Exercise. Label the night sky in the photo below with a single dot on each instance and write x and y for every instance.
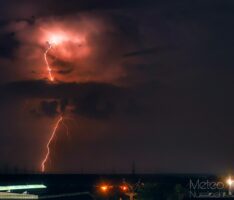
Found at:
(136, 80)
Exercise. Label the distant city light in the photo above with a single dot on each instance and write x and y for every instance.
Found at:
(124, 188)
(104, 188)
(22, 187)
(230, 181)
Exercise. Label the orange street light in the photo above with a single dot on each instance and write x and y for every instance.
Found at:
(104, 188)
(124, 188)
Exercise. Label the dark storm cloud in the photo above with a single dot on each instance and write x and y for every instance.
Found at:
(28, 8)
(63, 104)
(92, 100)
(49, 108)
(8, 44)
(62, 7)
(97, 104)
(44, 89)
(142, 52)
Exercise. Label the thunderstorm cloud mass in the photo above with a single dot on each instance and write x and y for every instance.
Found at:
(149, 82)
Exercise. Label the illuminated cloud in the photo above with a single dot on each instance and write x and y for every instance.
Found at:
(85, 47)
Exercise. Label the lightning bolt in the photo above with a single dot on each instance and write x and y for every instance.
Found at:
(59, 121)
(50, 75)
(49, 142)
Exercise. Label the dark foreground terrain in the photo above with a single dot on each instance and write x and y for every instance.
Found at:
(147, 186)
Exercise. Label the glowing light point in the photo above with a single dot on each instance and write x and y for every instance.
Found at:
(230, 181)
(104, 188)
(124, 188)
(56, 39)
